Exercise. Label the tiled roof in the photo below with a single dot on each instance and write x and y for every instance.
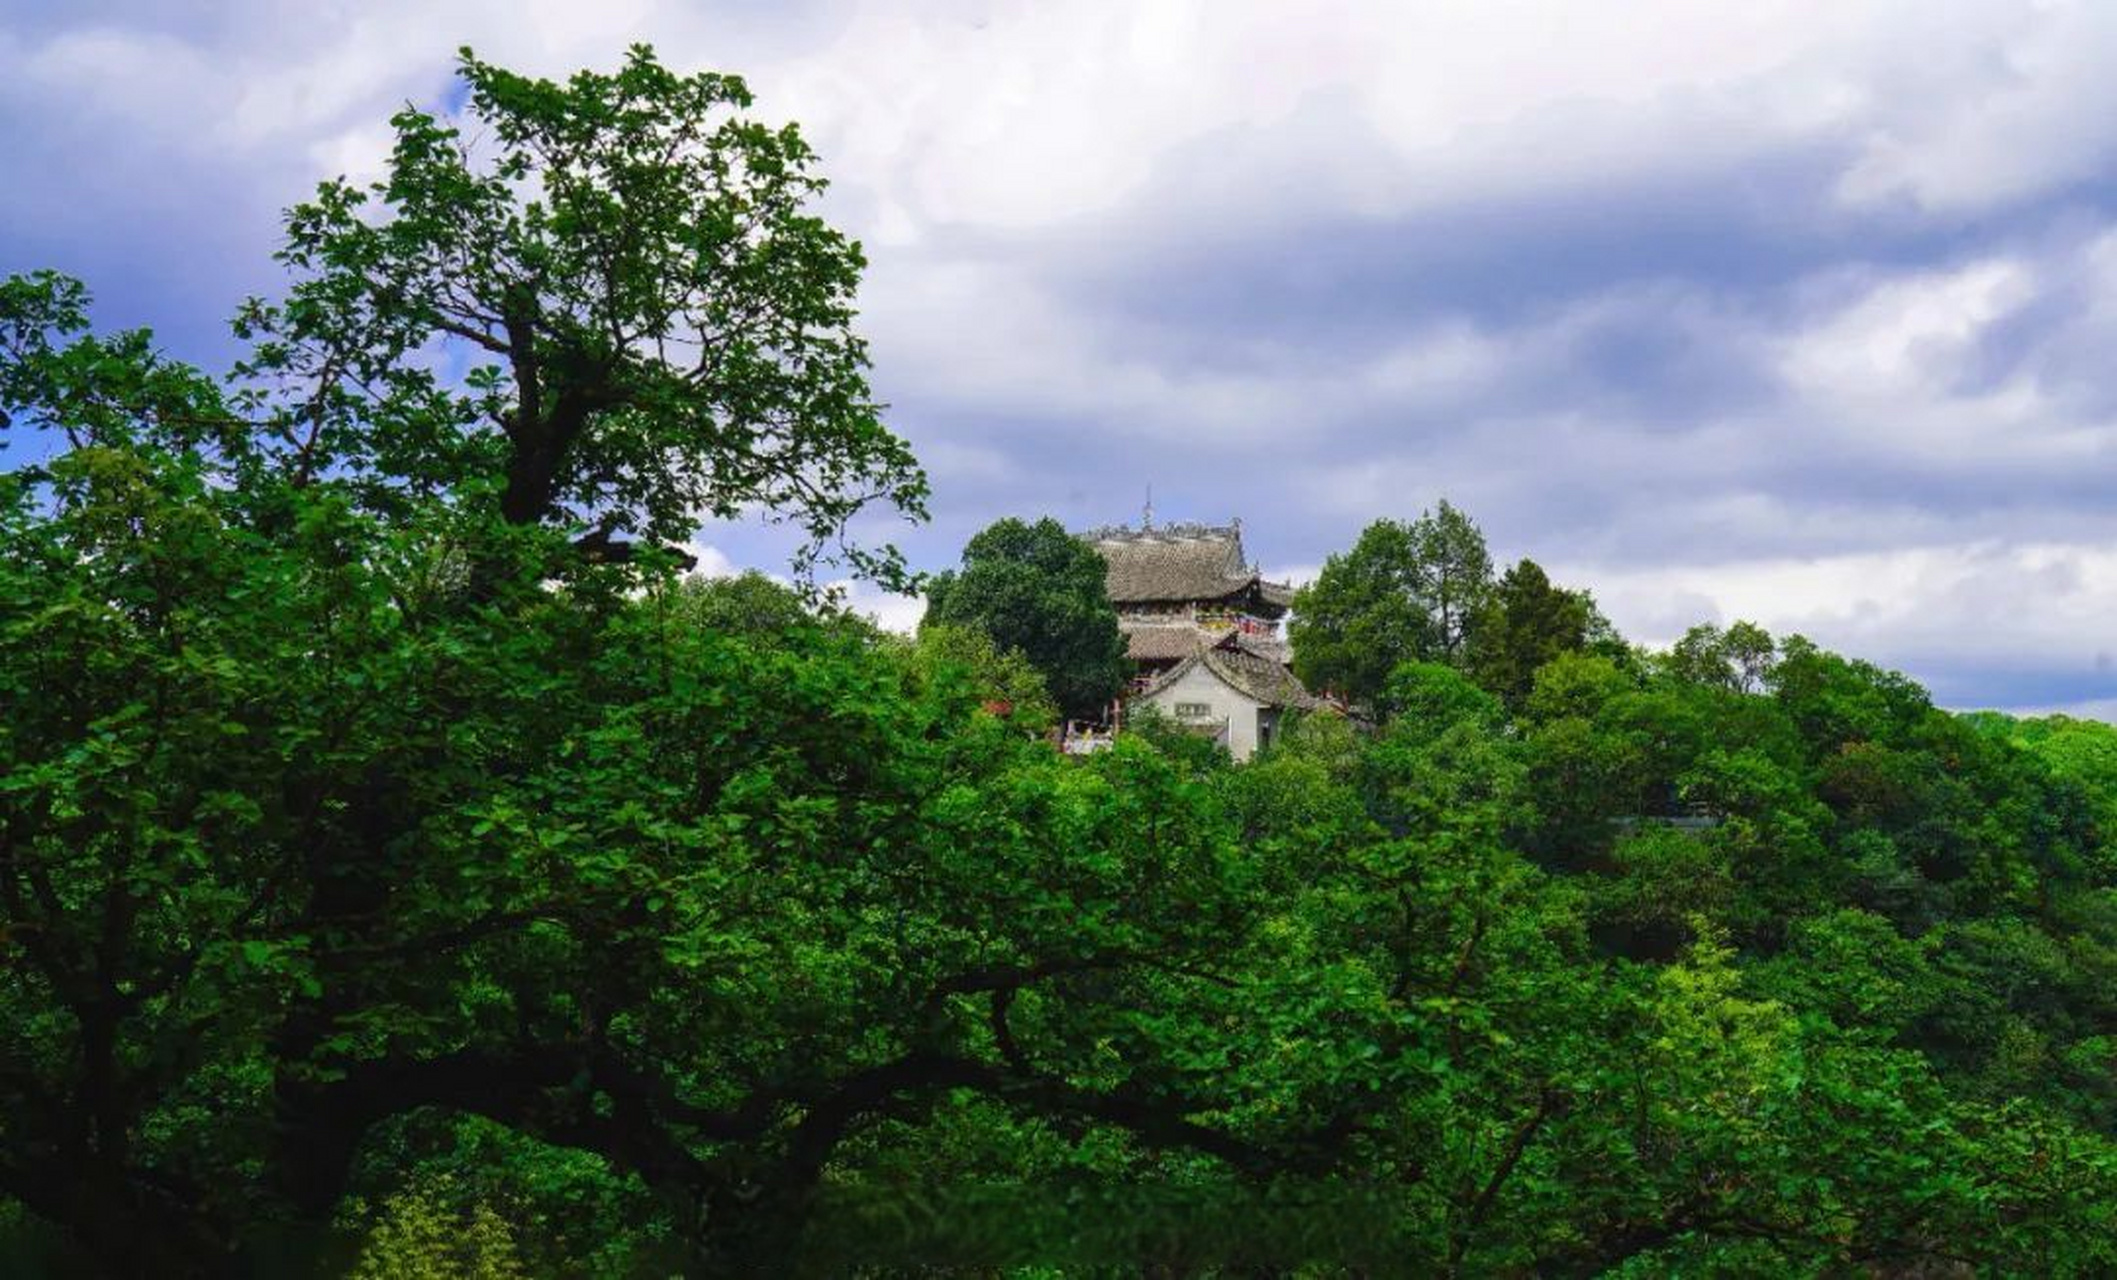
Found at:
(1179, 562)
(1259, 678)
(1171, 565)
(1166, 678)
(1163, 643)
(1267, 647)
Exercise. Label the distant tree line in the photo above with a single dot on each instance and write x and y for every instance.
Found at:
(1424, 591)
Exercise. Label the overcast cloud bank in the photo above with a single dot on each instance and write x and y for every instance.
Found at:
(1801, 313)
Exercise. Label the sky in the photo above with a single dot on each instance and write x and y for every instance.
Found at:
(1804, 313)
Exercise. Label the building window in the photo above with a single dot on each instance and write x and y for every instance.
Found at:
(1193, 710)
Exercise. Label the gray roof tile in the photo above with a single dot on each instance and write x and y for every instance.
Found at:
(1180, 562)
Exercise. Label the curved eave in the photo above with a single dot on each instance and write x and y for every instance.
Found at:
(1265, 599)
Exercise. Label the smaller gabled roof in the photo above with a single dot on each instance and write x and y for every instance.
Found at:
(1166, 678)
(1260, 679)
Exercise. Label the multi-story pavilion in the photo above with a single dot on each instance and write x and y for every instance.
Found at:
(1201, 626)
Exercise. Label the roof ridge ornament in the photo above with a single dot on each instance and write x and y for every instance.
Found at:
(1180, 531)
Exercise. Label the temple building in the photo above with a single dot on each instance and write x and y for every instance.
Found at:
(1202, 627)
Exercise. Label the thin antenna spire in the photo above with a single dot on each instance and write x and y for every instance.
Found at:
(1146, 517)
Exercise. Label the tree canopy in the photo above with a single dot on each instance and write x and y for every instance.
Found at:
(1040, 591)
(1424, 592)
(1525, 623)
(662, 325)
(1358, 621)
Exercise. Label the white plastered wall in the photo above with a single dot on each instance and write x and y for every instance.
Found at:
(1199, 684)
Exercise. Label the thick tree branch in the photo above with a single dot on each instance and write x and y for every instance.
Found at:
(1547, 1106)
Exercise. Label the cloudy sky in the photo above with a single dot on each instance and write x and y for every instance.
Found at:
(1800, 312)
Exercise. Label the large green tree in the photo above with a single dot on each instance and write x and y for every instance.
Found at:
(1405, 592)
(300, 845)
(660, 323)
(1739, 657)
(1526, 622)
(1039, 590)
(1450, 577)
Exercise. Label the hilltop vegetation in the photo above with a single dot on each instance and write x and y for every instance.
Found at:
(405, 870)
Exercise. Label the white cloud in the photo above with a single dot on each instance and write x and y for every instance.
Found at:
(886, 610)
(712, 561)
(1992, 104)
(1981, 609)
(1013, 116)
(1907, 334)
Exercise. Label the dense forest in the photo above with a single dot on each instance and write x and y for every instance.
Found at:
(406, 868)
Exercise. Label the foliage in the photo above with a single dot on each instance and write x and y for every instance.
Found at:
(418, 1238)
(1355, 623)
(1038, 590)
(1450, 576)
(666, 327)
(1739, 658)
(748, 604)
(1526, 624)
(370, 857)
(1010, 686)
(1404, 593)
